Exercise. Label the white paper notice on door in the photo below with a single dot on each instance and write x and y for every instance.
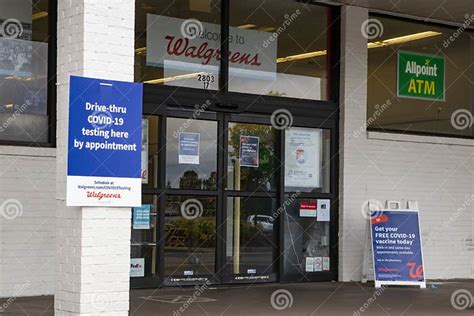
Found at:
(318, 264)
(302, 157)
(137, 267)
(309, 264)
(324, 210)
(188, 150)
(326, 264)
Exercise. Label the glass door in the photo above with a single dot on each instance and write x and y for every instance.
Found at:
(231, 198)
(190, 199)
(250, 200)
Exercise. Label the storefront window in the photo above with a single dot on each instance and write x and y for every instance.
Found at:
(306, 233)
(24, 36)
(178, 43)
(285, 44)
(420, 78)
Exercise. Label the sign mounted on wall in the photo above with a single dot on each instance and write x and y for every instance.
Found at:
(104, 150)
(396, 248)
(420, 76)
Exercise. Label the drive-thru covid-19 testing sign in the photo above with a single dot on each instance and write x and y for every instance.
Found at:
(104, 150)
(396, 244)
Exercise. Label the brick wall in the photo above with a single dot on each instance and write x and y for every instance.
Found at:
(95, 39)
(437, 172)
(27, 185)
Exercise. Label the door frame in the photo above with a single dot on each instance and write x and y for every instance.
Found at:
(164, 101)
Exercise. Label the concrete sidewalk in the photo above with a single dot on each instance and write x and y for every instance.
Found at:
(285, 299)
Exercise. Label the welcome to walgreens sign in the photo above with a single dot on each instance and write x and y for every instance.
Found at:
(168, 45)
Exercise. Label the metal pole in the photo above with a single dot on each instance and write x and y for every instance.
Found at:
(236, 241)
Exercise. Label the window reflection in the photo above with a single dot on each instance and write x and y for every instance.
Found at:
(197, 167)
(306, 240)
(150, 167)
(250, 243)
(23, 70)
(388, 110)
(165, 30)
(260, 141)
(292, 62)
(143, 239)
(190, 230)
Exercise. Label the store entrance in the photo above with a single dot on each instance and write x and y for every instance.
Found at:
(233, 198)
(221, 195)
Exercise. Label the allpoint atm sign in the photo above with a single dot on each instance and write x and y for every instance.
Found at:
(420, 76)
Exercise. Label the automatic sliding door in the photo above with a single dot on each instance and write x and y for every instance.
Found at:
(251, 204)
(190, 230)
(190, 242)
(250, 240)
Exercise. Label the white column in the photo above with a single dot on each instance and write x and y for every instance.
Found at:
(95, 39)
(353, 103)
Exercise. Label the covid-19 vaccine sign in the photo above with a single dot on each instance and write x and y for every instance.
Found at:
(396, 246)
(104, 143)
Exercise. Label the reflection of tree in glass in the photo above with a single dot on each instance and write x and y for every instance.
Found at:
(252, 235)
(190, 180)
(263, 176)
(199, 232)
(211, 182)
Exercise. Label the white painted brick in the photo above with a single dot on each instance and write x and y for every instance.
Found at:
(94, 248)
(27, 242)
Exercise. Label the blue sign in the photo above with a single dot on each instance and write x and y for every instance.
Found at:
(141, 217)
(104, 150)
(188, 149)
(249, 151)
(396, 246)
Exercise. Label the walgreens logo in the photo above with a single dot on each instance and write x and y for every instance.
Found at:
(178, 46)
(168, 46)
(101, 195)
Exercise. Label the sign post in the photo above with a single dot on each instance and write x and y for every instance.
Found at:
(104, 143)
(396, 248)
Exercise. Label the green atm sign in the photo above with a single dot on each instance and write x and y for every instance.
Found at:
(420, 76)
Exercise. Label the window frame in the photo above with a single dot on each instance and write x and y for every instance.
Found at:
(51, 85)
(387, 15)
